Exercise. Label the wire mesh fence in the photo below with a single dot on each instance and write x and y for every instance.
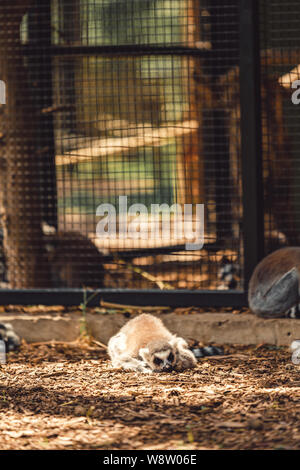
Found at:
(137, 99)
(280, 57)
(142, 124)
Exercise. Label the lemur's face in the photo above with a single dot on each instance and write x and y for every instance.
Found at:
(160, 357)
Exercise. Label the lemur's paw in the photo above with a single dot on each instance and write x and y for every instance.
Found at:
(143, 368)
(185, 360)
(294, 312)
(295, 348)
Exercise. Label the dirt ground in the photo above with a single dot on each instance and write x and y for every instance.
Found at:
(67, 396)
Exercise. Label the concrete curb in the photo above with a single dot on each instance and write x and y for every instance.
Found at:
(221, 328)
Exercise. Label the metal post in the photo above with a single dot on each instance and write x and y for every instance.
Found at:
(225, 56)
(40, 70)
(251, 144)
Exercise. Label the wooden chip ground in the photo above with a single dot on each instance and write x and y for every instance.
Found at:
(69, 397)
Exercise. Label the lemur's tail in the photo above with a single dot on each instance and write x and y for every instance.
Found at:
(207, 351)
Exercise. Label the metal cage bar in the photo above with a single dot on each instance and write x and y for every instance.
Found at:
(40, 40)
(251, 141)
(140, 297)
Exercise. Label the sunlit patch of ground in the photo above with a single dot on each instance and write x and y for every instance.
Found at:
(69, 397)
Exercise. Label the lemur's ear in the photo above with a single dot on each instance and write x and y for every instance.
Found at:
(178, 343)
(174, 341)
(144, 353)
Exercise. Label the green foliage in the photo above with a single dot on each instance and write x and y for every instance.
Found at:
(84, 333)
(131, 21)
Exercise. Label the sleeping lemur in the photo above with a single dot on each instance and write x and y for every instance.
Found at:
(274, 285)
(145, 345)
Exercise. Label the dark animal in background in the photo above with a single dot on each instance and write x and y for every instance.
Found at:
(229, 274)
(74, 261)
(274, 285)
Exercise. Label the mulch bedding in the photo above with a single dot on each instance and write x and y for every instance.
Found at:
(67, 396)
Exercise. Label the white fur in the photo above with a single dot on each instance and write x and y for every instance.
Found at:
(116, 348)
(163, 355)
(295, 345)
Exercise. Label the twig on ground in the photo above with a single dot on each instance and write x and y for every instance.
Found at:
(131, 307)
(99, 344)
